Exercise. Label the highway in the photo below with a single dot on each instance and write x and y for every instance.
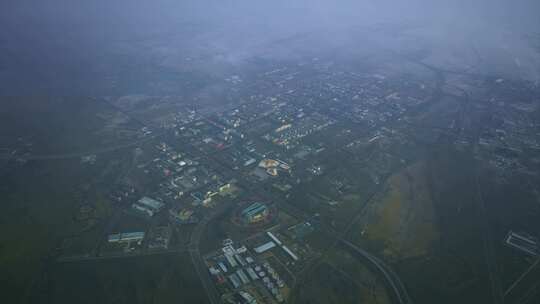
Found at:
(391, 278)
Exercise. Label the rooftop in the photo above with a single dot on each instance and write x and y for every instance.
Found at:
(151, 203)
(254, 209)
(264, 247)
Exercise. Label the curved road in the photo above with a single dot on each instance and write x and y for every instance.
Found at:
(390, 276)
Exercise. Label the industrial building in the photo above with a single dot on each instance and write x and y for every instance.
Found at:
(143, 210)
(235, 281)
(290, 253)
(252, 274)
(126, 237)
(246, 298)
(275, 241)
(264, 247)
(273, 237)
(256, 212)
(240, 260)
(241, 274)
(231, 260)
(222, 266)
(148, 206)
(523, 242)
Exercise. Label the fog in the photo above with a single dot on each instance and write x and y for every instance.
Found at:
(69, 47)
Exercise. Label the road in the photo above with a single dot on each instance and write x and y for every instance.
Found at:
(391, 278)
(483, 218)
(196, 258)
(525, 286)
(491, 263)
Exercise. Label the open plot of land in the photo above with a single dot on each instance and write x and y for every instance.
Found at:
(61, 212)
(442, 254)
(341, 278)
(403, 217)
(153, 279)
(335, 195)
(91, 125)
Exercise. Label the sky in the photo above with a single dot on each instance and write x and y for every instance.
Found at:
(50, 47)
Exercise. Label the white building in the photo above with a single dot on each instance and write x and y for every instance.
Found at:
(126, 237)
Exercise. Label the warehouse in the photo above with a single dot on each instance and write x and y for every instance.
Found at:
(264, 247)
(126, 237)
(148, 206)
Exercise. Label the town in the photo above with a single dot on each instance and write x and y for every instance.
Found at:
(289, 171)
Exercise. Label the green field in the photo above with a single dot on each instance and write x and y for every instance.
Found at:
(341, 278)
(152, 279)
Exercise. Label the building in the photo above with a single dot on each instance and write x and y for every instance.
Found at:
(240, 260)
(150, 203)
(256, 212)
(249, 162)
(222, 266)
(268, 163)
(247, 298)
(242, 275)
(142, 210)
(126, 237)
(208, 197)
(264, 247)
(273, 237)
(148, 206)
(285, 248)
(290, 253)
(213, 271)
(231, 260)
(225, 187)
(184, 216)
(523, 242)
(235, 281)
(252, 274)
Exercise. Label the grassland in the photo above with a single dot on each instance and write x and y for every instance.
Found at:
(340, 278)
(53, 205)
(425, 225)
(403, 217)
(152, 279)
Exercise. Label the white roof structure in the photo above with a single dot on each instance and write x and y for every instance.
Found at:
(291, 254)
(151, 203)
(273, 237)
(264, 247)
(143, 209)
(234, 280)
(126, 237)
(231, 260)
(242, 276)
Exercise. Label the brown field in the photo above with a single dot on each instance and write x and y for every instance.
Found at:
(403, 217)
